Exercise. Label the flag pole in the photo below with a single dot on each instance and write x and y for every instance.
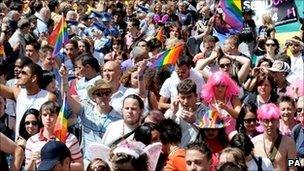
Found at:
(63, 32)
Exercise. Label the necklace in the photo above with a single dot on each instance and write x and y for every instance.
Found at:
(123, 129)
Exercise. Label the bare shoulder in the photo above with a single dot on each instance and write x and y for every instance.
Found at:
(52, 97)
(288, 141)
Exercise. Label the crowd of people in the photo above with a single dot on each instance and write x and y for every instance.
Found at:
(228, 105)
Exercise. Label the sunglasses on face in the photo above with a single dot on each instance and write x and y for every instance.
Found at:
(31, 122)
(250, 120)
(100, 94)
(225, 65)
(295, 44)
(267, 121)
(299, 110)
(270, 44)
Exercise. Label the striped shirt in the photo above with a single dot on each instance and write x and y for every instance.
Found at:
(35, 143)
(94, 125)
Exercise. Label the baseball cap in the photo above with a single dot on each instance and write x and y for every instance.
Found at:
(52, 152)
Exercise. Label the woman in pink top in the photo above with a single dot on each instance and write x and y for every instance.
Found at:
(221, 93)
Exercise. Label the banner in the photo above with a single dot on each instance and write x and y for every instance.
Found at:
(282, 11)
(285, 13)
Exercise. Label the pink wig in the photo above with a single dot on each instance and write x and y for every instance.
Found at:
(296, 88)
(268, 112)
(219, 78)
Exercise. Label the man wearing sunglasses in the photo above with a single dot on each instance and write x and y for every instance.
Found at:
(297, 58)
(95, 114)
(28, 94)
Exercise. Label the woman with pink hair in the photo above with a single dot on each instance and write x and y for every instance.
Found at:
(221, 93)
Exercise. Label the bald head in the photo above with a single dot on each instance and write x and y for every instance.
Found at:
(111, 72)
(71, 16)
(139, 53)
(45, 13)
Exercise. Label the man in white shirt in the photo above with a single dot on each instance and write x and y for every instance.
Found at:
(28, 95)
(111, 73)
(185, 111)
(183, 70)
(297, 59)
(88, 68)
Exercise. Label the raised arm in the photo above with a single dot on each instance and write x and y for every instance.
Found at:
(9, 92)
(10, 147)
(74, 104)
(245, 62)
(141, 67)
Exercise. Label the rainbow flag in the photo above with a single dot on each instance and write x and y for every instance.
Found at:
(168, 56)
(233, 13)
(59, 36)
(61, 126)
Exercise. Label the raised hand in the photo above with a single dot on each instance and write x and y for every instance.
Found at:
(174, 105)
(188, 115)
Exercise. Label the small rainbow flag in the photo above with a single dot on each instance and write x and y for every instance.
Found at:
(59, 36)
(168, 56)
(233, 13)
(61, 126)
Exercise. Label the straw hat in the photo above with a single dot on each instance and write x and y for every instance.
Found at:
(297, 39)
(99, 84)
(279, 66)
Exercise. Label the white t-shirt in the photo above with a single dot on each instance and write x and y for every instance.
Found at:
(189, 131)
(115, 131)
(25, 102)
(118, 97)
(266, 164)
(82, 86)
(169, 88)
(11, 104)
(297, 66)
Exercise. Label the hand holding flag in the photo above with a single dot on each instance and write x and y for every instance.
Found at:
(61, 126)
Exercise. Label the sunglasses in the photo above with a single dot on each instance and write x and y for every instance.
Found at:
(31, 122)
(100, 94)
(270, 44)
(295, 44)
(299, 110)
(250, 120)
(225, 65)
